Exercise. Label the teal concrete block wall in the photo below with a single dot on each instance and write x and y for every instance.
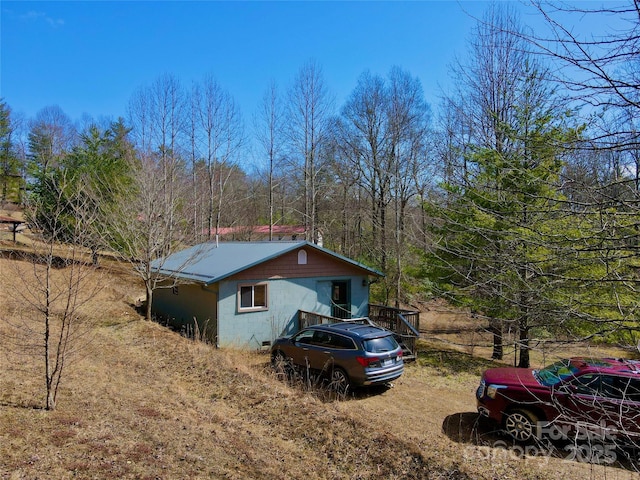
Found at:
(360, 297)
(285, 298)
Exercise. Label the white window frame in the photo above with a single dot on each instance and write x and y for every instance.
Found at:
(253, 307)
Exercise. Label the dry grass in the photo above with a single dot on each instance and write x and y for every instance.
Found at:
(444, 327)
(140, 401)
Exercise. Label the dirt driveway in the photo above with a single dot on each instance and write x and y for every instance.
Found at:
(433, 405)
(438, 414)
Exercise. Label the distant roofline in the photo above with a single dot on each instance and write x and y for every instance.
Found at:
(259, 229)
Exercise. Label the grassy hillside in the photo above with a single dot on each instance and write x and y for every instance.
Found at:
(139, 401)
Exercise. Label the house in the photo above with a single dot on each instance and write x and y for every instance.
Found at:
(246, 294)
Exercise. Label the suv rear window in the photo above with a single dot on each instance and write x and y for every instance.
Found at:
(380, 344)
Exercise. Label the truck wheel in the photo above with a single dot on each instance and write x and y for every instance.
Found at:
(521, 425)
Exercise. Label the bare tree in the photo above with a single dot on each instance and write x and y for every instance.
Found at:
(383, 132)
(365, 142)
(309, 107)
(218, 136)
(51, 136)
(55, 283)
(348, 212)
(158, 117)
(487, 93)
(599, 70)
(409, 119)
(269, 125)
(142, 225)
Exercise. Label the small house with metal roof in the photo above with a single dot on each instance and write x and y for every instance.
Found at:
(246, 294)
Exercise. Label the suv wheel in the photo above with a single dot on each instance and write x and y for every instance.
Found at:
(340, 380)
(281, 364)
(521, 425)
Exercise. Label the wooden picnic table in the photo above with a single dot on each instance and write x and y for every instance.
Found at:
(15, 224)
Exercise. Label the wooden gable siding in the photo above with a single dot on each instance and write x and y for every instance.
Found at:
(286, 266)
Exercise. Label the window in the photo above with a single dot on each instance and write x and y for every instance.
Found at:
(306, 336)
(607, 386)
(321, 338)
(338, 341)
(632, 391)
(621, 388)
(588, 384)
(302, 257)
(380, 345)
(331, 340)
(252, 297)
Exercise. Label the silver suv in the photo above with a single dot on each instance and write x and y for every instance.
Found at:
(350, 354)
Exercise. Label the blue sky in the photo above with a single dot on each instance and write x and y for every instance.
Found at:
(90, 57)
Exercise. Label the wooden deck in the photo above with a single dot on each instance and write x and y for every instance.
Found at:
(405, 324)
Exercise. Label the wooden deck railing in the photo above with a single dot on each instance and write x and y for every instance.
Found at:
(306, 319)
(404, 323)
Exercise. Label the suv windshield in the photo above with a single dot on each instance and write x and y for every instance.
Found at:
(380, 344)
(555, 373)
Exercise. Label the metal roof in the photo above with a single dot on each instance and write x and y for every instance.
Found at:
(210, 262)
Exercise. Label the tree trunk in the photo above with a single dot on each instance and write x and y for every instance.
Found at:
(147, 315)
(524, 347)
(496, 328)
(51, 399)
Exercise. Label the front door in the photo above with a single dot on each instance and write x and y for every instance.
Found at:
(340, 299)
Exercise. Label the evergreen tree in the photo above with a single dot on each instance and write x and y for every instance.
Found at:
(496, 218)
(10, 178)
